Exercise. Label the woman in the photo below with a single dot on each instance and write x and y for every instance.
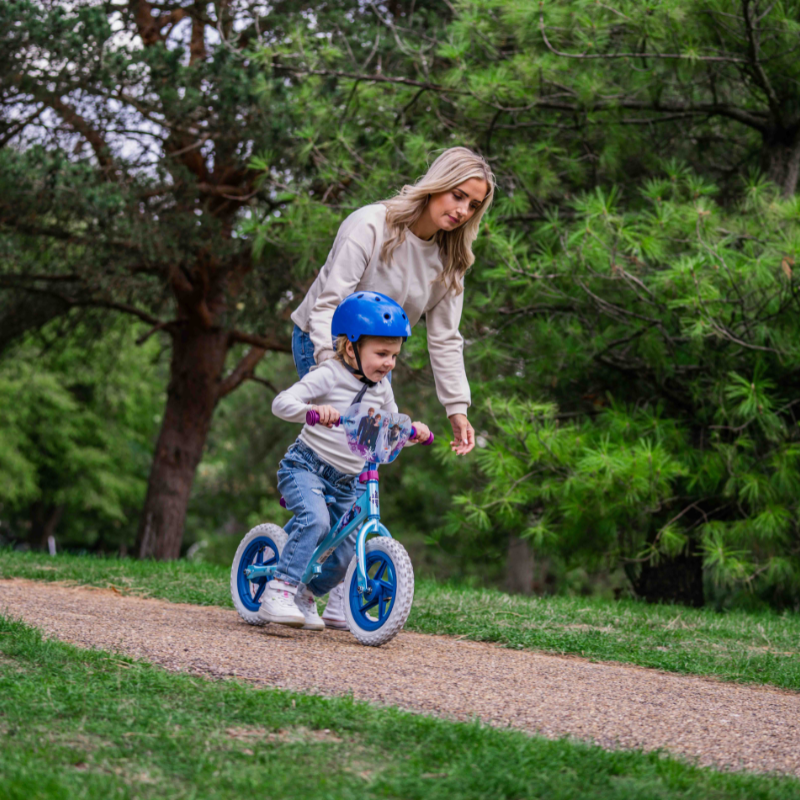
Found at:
(415, 248)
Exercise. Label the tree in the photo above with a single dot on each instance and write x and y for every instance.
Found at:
(712, 81)
(646, 415)
(146, 138)
(77, 418)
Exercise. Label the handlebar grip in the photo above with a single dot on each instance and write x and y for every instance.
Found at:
(425, 443)
(312, 418)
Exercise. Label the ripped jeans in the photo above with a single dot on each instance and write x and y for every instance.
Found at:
(304, 479)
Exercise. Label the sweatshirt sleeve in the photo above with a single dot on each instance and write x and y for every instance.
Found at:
(446, 350)
(292, 403)
(350, 259)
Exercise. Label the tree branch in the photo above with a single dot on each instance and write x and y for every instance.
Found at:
(760, 76)
(125, 309)
(668, 56)
(264, 342)
(243, 371)
(375, 78)
(156, 328)
(79, 124)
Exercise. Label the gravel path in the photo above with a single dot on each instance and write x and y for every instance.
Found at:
(718, 724)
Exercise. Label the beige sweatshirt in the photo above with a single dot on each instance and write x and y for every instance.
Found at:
(354, 264)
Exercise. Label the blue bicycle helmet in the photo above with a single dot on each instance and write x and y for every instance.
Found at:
(369, 314)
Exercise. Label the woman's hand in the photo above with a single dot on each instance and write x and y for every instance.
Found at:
(463, 435)
(423, 433)
(328, 415)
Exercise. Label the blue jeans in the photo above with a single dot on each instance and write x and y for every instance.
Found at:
(303, 352)
(304, 479)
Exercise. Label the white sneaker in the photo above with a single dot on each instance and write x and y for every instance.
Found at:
(333, 615)
(277, 605)
(307, 604)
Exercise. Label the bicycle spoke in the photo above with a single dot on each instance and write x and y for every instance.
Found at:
(368, 606)
(262, 584)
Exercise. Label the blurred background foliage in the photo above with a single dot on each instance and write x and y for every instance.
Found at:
(631, 325)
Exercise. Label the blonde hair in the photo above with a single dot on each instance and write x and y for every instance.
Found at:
(452, 168)
(342, 340)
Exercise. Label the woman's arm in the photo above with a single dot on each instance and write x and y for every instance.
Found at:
(446, 350)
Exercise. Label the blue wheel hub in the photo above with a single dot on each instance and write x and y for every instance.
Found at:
(372, 609)
(260, 552)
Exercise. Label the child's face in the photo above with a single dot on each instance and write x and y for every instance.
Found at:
(378, 356)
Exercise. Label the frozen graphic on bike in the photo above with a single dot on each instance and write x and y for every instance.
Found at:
(375, 434)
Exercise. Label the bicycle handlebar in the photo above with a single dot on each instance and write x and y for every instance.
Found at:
(428, 441)
(312, 418)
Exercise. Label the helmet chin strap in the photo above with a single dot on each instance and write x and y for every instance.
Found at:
(359, 373)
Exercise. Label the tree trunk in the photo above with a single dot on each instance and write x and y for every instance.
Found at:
(44, 521)
(782, 158)
(519, 566)
(198, 361)
(677, 580)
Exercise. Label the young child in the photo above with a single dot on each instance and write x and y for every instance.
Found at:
(369, 329)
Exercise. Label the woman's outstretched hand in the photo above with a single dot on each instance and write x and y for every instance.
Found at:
(463, 435)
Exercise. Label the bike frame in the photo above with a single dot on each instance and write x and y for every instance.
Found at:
(364, 515)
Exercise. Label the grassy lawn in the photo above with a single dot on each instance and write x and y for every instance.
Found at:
(88, 724)
(735, 646)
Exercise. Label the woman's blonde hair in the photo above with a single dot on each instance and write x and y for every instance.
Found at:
(452, 168)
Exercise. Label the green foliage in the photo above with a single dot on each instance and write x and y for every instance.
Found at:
(630, 320)
(77, 420)
(659, 339)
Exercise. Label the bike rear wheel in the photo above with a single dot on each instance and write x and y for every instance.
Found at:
(261, 546)
(377, 616)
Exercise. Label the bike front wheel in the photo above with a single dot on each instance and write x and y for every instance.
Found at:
(377, 616)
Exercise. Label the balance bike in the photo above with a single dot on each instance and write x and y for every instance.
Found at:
(379, 584)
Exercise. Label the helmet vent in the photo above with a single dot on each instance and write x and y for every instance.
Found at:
(376, 299)
(387, 316)
(360, 296)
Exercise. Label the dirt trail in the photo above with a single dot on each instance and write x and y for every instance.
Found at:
(722, 725)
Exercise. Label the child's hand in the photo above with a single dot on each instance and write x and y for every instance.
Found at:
(328, 415)
(423, 433)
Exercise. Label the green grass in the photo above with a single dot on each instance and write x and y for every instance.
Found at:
(88, 724)
(758, 647)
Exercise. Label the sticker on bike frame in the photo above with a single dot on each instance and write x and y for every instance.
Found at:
(376, 435)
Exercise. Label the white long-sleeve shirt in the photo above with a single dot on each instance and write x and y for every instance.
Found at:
(354, 264)
(330, 384)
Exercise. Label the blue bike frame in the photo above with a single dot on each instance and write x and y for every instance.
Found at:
(364, 514)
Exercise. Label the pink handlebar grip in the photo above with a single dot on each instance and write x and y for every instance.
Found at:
(425, 443)
(312, 418)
